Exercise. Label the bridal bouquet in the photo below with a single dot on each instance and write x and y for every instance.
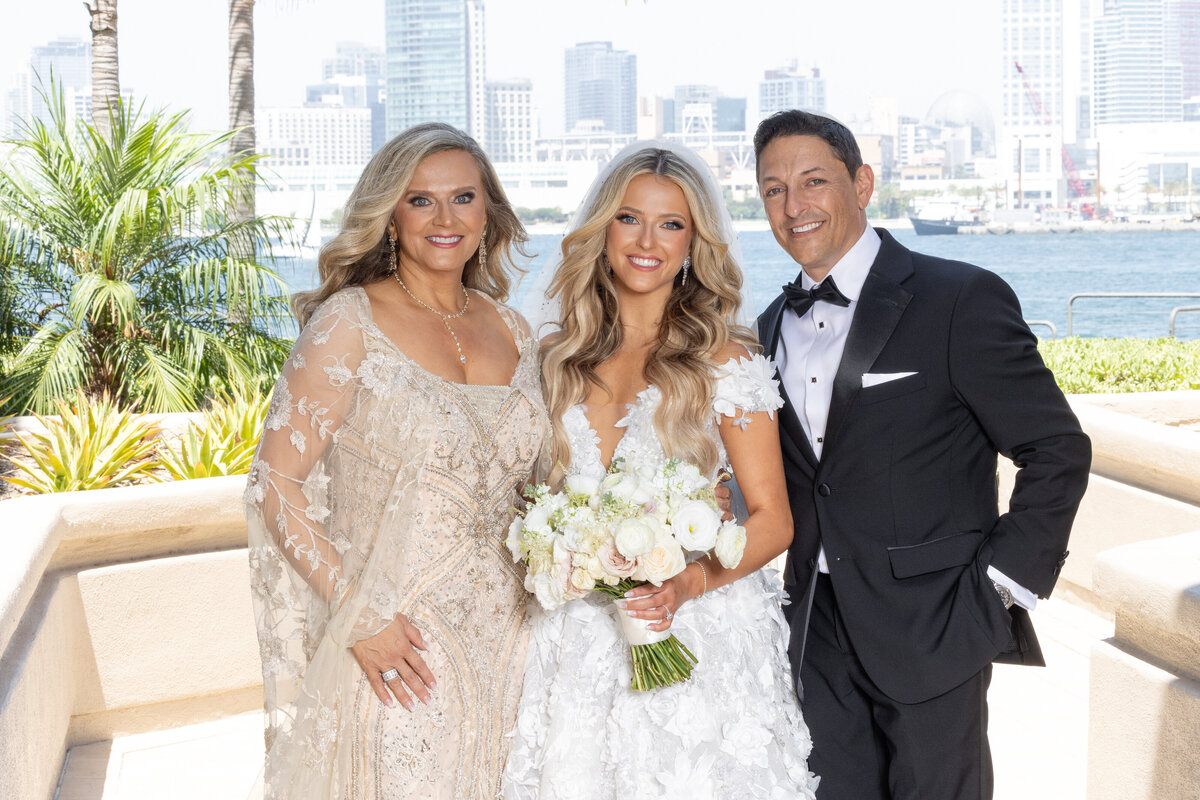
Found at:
(633, 527)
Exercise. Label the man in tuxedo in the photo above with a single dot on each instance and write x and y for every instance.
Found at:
(905, 376)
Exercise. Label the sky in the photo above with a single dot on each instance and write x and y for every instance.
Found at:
(173, 52)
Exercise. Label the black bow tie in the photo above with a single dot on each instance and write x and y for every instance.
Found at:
(801, 300)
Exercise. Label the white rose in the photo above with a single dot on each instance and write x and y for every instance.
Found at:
(547, 588)
(664, 561)
(537, 519)
(695, 525)
(613, 562)
(633, 538)
(582, 580)
(515, 529)
(628, 488)
(582, 485)
(731, 542)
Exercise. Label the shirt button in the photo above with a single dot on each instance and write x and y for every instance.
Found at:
(820, 440)
(820, 324)
(813, 379)
(824, 490)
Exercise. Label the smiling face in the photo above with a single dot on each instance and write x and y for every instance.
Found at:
(648, 238)
(440, 219)
(817, 211)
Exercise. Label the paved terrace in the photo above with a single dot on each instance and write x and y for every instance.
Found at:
(129, 666)
(1039, 730)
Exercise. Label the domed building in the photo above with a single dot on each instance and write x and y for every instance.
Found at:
(961, 108)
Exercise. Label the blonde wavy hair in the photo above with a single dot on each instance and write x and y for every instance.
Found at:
(697, 323)
(359, 253)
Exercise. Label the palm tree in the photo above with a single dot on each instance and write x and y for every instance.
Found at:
(106, 85)
(115, 270)
(241, 95)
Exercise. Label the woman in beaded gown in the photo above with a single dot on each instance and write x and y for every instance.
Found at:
(391, 618)
(649, 363)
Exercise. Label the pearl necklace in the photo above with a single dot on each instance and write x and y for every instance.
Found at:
(445, 317)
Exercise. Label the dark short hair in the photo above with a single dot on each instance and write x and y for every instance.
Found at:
(795, 122)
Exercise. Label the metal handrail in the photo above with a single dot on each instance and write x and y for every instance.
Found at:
(1077, 295)
(1176, 312)
(1047, 323)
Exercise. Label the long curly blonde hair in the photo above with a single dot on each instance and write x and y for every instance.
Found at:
(697, 323)
(359, 253)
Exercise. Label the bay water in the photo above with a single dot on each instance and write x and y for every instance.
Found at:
(1043, 269)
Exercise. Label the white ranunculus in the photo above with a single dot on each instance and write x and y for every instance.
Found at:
(664, 561)
(695, 525)
(634, 538)
(731, 543)
(515, 529)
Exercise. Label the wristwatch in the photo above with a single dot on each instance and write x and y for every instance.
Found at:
(1006, 596)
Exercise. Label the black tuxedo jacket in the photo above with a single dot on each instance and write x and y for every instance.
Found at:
(904, 497)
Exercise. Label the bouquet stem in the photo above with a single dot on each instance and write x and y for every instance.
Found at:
(660, 663)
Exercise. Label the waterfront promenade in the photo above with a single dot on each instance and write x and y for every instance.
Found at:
(1038, 728)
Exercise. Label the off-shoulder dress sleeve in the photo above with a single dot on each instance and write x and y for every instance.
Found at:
(744, 386)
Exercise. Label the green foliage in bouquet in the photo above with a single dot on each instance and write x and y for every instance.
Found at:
(223, 444)
(92, 444)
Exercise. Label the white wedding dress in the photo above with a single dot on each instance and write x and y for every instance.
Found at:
(734, 730)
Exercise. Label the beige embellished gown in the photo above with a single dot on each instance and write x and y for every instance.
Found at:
(381, 489)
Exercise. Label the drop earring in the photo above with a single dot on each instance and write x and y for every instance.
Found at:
(483, 248)
(391, 255)
(687, 263)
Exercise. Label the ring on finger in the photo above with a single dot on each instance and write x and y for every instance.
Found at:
(670, 614)
(390, 675)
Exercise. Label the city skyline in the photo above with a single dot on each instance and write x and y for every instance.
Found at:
(674, 41)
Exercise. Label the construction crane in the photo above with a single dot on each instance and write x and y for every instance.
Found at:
(1072, 174)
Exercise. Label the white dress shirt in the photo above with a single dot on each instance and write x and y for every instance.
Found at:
(810, 350)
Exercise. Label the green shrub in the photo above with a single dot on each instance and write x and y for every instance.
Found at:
(223, 444)
(91, 445)
(1093, 366)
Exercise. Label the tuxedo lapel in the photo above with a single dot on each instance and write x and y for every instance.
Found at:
(789, 421)
(880, 306)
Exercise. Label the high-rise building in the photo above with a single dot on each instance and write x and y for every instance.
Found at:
(1040, 87)
(436, 64)
(69, 63)
(701, 109)
(315, 136)
(510, 127)
(354, 78)
(353, 58)
(787, 87)
(1140, 50)
(601, 89)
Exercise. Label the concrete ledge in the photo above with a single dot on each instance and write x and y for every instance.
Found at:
(1155, 589)
(1157, 456)
(121, 611)
(1143, 730)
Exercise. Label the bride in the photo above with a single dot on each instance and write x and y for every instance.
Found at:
(649, 361)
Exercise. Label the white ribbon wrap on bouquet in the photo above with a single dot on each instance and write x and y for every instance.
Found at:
(637, 630)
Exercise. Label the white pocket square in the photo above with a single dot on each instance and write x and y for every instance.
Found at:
(875, 378)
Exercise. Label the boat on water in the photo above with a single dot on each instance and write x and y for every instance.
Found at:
(937, 219)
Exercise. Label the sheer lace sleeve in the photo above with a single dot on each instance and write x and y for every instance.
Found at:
(287, 490)
(746, 385)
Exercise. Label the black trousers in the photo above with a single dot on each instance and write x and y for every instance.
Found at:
(866, 745)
